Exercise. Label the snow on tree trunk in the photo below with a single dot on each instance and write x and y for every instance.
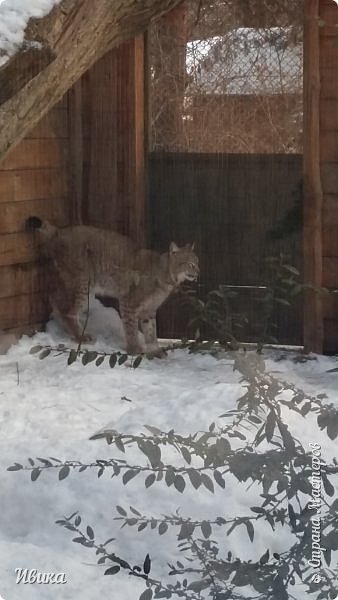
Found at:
(58, 49)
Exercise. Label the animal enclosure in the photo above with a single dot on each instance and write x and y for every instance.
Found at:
(225, 164)
(209, 127)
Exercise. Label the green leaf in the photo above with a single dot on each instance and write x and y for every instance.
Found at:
(179, 483)
(195, 478)
(121, 511)
(305, 408)
(291, 269)
(137, 361)
(288, 441)
(88, 357)
(100, 360)
(90, 532)
(265, 558)
(147, 565)
(186, 531)
(254, 419)
(152, 451)
(150, 480)
(72, 357)
(332, 427)
(112, 570)
(198, 586)
(44, 353)
(153, 430)
(186, 454)
(119, 444)
(64, 472)
(136, 512)
(15, 467)
(250, 530)
(206, 529)
(163, 527)
(112, 360)
(35, 474)
(207, 482)
(35, 349)
(170, 477)
(128, 475)
(270, 426)
(147, 594)
(123, 359)
(283, 301)
(258, 510)
(234, 525)
(328, 487)
(292, 515)
(45, 462)
(219, 479)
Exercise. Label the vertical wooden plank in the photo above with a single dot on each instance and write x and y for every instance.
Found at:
(75, 152)
(113, 141)
(313, 196)
(137, 162)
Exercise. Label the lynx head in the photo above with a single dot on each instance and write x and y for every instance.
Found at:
(183, 263)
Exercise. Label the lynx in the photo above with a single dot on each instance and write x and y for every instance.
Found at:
(87, 261)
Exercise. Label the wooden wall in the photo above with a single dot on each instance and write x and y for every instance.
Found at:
(329, 165)
(112, 98)
(33, 181)
(83, 162)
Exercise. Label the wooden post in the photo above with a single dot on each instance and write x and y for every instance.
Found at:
(75, 153)
(313, 197)
(137, 143)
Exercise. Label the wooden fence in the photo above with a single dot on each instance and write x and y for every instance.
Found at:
(228, 204)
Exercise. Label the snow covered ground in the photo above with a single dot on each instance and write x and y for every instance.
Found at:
(49, 409)
(14, 16)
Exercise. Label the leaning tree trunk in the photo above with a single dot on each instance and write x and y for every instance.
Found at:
(71, 38)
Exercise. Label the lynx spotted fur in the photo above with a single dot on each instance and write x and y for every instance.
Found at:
(87, 260)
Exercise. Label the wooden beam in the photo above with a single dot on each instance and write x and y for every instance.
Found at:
(137, 162)
(313, 196)
(76, 152)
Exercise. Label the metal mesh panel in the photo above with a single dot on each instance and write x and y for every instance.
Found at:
(226, 76)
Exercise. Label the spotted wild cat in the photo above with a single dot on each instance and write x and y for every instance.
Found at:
(86, 260)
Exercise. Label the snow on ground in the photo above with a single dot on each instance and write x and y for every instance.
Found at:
(55, 409)
(14, 16)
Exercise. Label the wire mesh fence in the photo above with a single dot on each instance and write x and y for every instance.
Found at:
(226, 76)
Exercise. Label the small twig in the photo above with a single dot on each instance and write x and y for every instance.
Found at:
(86, 320)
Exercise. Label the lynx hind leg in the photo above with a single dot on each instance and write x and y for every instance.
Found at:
(129, 319)
(67, 306)
(148, 328)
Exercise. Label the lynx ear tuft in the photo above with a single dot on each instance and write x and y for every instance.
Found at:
(173, 248)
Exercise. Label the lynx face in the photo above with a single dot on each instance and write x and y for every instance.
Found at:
(183, 263)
